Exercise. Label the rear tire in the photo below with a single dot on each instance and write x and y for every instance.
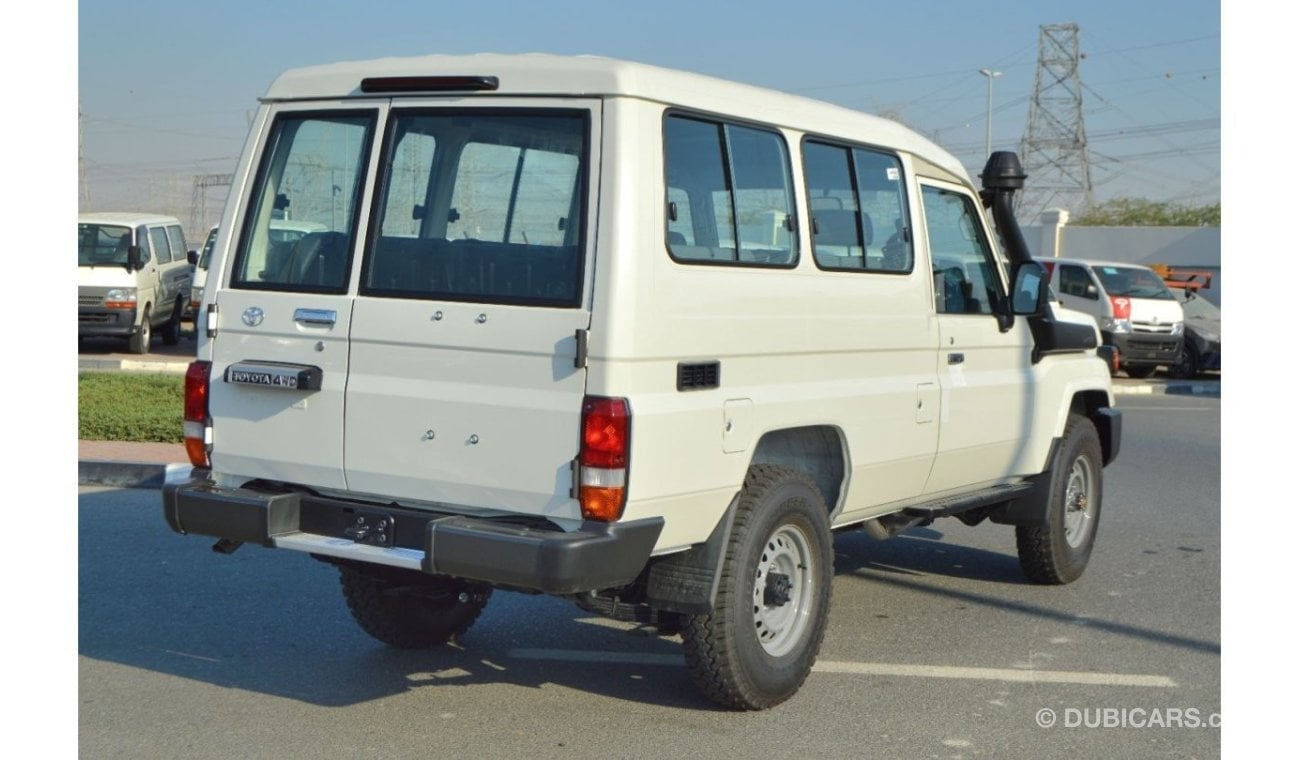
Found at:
(139, 343)
(758, 645)
(424, 612)
(1058, 552)
(171, 332)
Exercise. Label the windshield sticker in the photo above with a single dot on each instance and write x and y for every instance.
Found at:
(1110, 270)
(891, 173)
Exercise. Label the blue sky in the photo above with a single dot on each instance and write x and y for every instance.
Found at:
(166, 88)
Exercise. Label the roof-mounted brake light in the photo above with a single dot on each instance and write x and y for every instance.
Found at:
(429, 84)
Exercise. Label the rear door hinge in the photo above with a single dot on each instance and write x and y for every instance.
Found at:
(212, 320)
(580, 355)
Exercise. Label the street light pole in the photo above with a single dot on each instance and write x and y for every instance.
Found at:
(988, 124)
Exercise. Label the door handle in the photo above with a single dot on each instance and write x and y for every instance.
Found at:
(956, 358)
(326, 317)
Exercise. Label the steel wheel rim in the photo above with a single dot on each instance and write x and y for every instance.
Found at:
(1079, 504)
(780, 626)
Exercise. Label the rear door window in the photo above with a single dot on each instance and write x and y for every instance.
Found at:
(483, 206)
(311, 177)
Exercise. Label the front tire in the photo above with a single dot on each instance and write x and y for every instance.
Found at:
(758, 645)
(139, 343)
(1058, 552)
(415, 613)
(1189, 363)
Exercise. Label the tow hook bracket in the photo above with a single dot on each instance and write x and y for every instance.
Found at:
(371, 528)
(226, 546)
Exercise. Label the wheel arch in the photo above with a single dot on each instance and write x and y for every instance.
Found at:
(1095, 405)
(818, 450)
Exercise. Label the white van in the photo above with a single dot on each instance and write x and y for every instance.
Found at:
(1137, 313)
(133, 276)
(635, 337)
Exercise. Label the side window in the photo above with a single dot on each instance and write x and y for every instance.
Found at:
(158, 237)
(177, 240)
(859, 209)
(310, 180)
(965, 278)
(729, 197)
(1075, 282)
(142, 240)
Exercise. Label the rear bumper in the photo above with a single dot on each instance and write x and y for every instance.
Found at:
(535, 558)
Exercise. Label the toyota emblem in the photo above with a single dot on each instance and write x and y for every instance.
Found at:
(253, 316)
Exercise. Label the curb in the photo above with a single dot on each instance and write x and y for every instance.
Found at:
(1172, 389)
(132, 365)
(105, 472)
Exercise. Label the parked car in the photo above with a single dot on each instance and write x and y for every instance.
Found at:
(282, 234)
(1137, 313)
(133, 274)
(200, 274)
(1201, 338)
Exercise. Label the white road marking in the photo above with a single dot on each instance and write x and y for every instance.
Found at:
(1128, 408)
(994, 674)
(871, 668)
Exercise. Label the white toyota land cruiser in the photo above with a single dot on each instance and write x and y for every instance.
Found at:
(635, 337)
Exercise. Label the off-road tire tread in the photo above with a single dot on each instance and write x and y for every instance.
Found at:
(710, 657)
(1035, 545)
(396, 621)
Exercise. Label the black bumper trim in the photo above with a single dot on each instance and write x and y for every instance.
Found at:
(596, 556)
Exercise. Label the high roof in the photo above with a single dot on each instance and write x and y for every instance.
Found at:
(535, 74)
(125, 218)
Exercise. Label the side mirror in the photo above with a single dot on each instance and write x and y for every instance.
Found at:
(1091, 291)
(192, 257)
(133, 260)
(1029, 291)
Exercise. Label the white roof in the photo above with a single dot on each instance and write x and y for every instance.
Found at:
(1094, 262)
(125, 218)
(593, 76)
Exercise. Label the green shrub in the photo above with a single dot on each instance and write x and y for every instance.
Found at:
(125, 406)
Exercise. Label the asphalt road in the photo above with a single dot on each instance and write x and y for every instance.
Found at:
(187, 653)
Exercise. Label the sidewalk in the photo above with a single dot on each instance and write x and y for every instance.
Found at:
(130, 465)
(149, 465)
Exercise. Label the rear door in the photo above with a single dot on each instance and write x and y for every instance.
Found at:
(463, 387)
(280, 355)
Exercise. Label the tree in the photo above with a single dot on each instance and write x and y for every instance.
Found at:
(1139, 212)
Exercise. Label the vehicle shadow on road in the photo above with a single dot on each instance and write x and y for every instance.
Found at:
(920, 551)
(912, 561)
(275, 622)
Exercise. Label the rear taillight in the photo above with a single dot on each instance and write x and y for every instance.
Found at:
(602, 457)
(1122, 307)
(198, 425)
